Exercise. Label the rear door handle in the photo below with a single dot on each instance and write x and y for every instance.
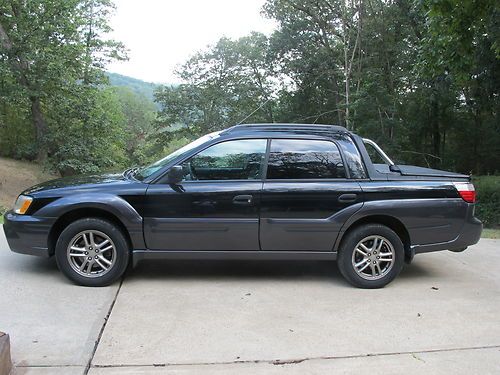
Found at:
(347, 198)
(244, 200)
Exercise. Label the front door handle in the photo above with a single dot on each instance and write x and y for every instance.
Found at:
(347, 198)
(244, 200)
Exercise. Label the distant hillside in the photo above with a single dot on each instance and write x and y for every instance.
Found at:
(136, 85)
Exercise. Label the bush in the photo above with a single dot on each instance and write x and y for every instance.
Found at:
(89, 137)
(2, 211)
(488, 200)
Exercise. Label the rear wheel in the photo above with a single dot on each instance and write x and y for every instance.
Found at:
(92, 252)
(371, 256)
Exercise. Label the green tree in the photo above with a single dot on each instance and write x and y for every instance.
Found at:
(229, 83)
(139, 114)
(87, 132)
(461, 46)
(334, 30)
(402, 72)
(49, 45)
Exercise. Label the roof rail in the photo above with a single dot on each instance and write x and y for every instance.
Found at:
(285, 126)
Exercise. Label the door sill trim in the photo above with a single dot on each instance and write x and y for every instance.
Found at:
(138, 255)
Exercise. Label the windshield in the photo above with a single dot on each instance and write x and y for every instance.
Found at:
(147, 171)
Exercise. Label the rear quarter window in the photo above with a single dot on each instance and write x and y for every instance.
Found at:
(352, 156)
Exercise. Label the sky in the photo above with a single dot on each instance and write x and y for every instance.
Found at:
(161, 34)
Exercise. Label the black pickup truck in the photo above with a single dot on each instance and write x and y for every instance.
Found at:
(263, 191)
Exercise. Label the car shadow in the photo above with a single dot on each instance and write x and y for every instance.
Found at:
(251, 270)
(221, 269)
(234, 269)
(417, 270)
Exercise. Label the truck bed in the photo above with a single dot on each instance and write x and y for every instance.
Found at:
(412, 170)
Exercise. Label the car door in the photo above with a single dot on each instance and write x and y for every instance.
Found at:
(215, 206)
(306, 197)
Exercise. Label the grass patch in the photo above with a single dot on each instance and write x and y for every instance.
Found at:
(488, 204)
(2, 211)
(491, 233)
(488, 200)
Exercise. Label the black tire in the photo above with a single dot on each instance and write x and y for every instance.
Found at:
(119, 257)
(348, 247)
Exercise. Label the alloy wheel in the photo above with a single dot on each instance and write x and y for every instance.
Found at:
(91, 253)
(373, 257)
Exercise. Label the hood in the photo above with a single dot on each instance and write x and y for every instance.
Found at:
(82, 182)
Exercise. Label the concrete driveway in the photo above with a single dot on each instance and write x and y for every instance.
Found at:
(441, 316)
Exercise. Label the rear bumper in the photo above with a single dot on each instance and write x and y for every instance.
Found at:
(469, 235)
(27, 234)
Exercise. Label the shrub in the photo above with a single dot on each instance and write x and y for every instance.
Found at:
(488, 200)
(2, 211)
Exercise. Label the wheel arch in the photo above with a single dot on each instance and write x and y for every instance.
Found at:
(79, 213)
(389, 221)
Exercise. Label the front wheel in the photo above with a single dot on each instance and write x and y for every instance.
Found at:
(371, 256)
(92, 252)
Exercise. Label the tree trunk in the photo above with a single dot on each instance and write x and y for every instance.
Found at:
(345, 41)
(88, 52)
(435, 131)
(40, 128)
(476, 141)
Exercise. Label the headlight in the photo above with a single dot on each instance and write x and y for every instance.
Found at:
(22, 204)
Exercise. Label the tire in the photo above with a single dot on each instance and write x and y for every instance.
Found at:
(99, 243)
(376, 268)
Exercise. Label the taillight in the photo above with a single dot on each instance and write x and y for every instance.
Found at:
(466, 191)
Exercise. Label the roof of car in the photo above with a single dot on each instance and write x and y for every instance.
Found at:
(283, 127)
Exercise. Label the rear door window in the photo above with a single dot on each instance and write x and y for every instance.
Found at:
(304, 159)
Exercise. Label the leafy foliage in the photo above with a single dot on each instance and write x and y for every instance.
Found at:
(54, 101)
(488, 200)
(222, 84)
(404, 73)
(92, 137)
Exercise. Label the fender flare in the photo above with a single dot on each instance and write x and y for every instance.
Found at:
(109, 203)
(381, 212)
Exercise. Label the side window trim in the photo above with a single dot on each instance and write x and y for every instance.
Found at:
(341, 153)
(344, 160)
(263, 174)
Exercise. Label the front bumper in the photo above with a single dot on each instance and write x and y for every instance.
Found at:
(28, 234)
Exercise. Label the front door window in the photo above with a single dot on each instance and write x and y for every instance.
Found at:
(232, 160)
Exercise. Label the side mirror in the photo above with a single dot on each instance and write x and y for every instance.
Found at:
(175, 174)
